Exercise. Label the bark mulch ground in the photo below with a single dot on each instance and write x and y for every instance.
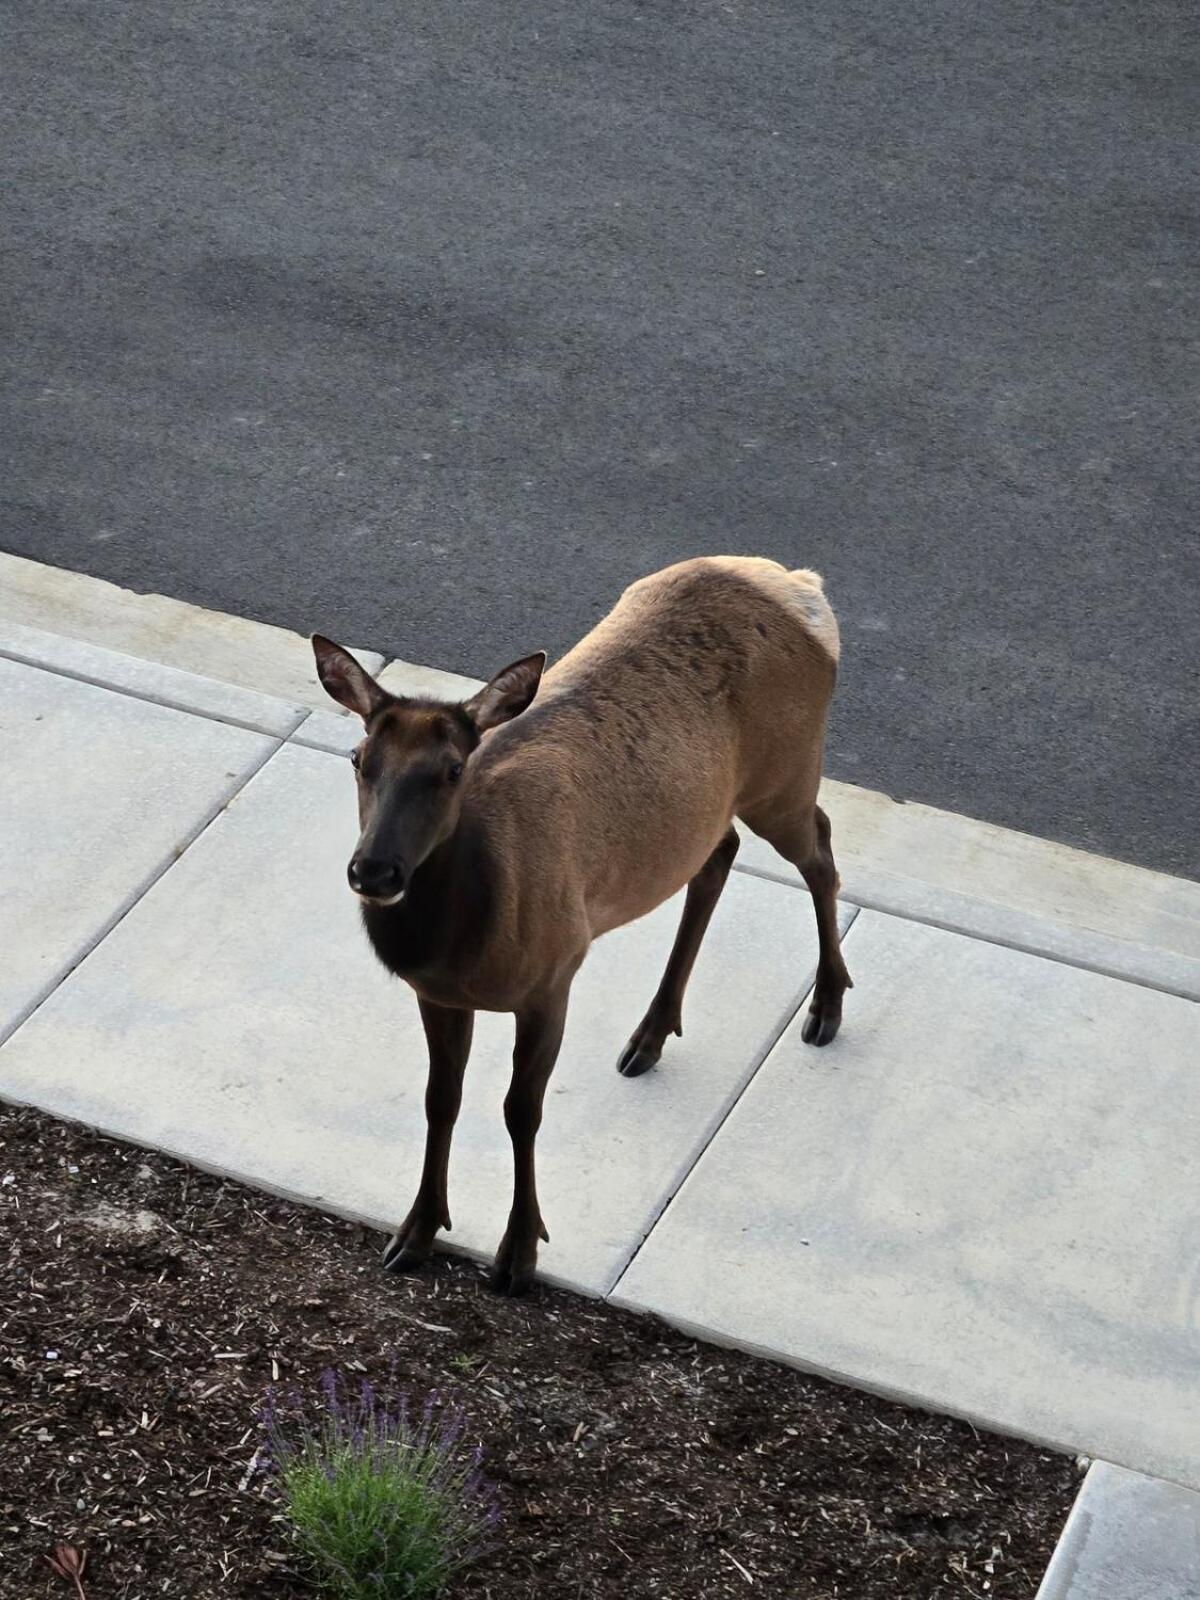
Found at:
(146, 1307)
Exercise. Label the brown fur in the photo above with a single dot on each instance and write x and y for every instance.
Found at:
(697, 699)
(701, 698)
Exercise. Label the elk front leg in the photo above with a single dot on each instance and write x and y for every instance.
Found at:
(539, 1035)
(449, 1037)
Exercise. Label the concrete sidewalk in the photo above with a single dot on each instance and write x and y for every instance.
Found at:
(981, 1198)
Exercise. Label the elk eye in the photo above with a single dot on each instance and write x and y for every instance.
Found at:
(356, 759)
(455, 772)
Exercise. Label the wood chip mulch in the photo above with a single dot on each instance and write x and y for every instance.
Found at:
(146, 1307)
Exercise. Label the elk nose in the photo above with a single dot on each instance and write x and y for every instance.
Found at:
(376, 878)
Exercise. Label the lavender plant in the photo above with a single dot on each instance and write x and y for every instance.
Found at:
(387, 1505)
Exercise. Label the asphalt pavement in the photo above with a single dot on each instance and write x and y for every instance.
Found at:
(432, 325)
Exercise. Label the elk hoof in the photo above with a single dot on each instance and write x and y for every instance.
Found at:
(820, 1026)
(516, 1260)
(405, 1253)
(636, 1059)
(512, 1282)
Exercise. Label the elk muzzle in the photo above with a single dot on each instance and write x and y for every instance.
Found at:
(379, 879)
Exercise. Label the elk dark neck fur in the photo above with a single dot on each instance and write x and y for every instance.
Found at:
(444, 916)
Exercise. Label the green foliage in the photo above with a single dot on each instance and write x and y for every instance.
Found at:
(386, 1506)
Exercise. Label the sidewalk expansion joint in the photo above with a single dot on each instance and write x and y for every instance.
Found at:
(92, 944)
(776, 1034)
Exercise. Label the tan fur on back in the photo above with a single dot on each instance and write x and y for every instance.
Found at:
(801, 591)
(701, 697)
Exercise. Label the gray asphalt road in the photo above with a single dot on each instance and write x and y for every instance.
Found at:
(431, 325)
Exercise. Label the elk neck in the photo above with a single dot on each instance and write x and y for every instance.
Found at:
(447, 909)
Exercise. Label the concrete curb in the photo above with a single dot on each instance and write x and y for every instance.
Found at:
(149, 680)
(153, 627)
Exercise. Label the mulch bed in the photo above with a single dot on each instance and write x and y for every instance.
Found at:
(145, 1307)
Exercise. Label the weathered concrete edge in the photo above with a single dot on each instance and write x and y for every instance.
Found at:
(312, 1202)
(1065, 1554)
(915, 1398)
(1096, 1517)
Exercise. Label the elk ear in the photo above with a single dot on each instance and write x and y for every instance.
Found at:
(508, 693)
(341, 676)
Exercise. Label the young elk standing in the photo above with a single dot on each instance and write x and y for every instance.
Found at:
(496, 846)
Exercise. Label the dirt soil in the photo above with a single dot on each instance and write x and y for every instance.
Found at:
(146, 1307)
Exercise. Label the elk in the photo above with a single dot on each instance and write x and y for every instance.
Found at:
(500, 836)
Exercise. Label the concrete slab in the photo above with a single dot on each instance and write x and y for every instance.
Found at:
(977, 1199)
(97, 793)
(993, 883)
(406, 677)
(238, 1018)
(154, 627)
(149, 680)
(1128, 1538)
(335, 732)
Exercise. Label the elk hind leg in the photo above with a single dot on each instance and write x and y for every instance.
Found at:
(805, 840)
(665, 1015)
